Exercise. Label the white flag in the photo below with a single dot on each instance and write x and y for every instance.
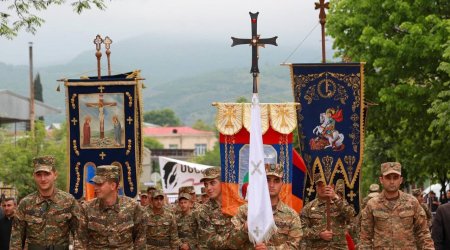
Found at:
(261, 224)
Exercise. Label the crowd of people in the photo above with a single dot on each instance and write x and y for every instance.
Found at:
(51, 219)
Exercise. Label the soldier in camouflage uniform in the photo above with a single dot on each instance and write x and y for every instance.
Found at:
(393, 219)
(289, 232)
(44, 219)
(144, 201)
(162, 230)
(191, 191)
(111, 221)
(374, 190)
(211, 220)
(186, 223)
(419, 196)
(314, 221)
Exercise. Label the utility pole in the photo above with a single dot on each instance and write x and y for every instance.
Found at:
(31, 91)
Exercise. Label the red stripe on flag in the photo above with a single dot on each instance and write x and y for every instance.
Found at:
(243, 137)
(297, 160)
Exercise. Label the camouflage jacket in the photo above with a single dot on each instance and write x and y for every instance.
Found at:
(288, 235)
(212, 225)
(428, 213)
(314, 221)
(45, 222)
(187, 226)
(399, 227)
(162, 230)
(121, 226)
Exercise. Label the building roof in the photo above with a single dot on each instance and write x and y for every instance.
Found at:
(174, 131)
(16, 108)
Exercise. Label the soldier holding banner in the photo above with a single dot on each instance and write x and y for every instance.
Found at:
(314, 219)
(289, 232)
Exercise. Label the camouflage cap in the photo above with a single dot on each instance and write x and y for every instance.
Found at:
(211, 173)
(157, 192)
(203, 191)
(151, 189)
(374, 188)
(417, 192)
(105, 173)
(391, 167)
(274, 169)
(143, 193)
(186, 189)
(184, 195)
(45, 163)
(318, 177)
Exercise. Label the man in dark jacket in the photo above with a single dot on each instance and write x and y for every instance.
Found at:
(441, 228)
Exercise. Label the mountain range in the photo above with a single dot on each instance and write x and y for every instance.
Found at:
(183, 74)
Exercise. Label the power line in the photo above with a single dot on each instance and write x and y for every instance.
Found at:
(301, 43)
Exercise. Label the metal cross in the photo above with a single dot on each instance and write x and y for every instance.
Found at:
(102, 155)
(98, 42)
(256, 167)
(255, 42)
(107, 42)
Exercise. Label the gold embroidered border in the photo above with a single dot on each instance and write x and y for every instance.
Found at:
(231, 117)
(264, 117)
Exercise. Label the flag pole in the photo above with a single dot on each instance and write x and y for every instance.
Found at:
(322, 5)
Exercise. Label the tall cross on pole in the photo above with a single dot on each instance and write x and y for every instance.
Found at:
(98, 42)
(255, 42)
(107, 43)
(322, 5)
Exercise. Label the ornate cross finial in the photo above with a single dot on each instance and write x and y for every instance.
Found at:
(255, 42)
(322, 5)
(98, 42)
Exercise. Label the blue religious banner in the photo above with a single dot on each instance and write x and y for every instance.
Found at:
(104, 128)
(330, 121)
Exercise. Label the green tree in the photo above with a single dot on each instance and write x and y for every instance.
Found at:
(152, 143)
(38, 95)
(162, 117)
(16, 168)
(242, 99)
(403, 44)
(211, 158)
(17, 15)
(201, 125)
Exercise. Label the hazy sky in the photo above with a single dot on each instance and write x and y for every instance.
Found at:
(65, 34)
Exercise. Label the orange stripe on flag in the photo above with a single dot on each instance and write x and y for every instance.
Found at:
(89, 192)
(231, 200)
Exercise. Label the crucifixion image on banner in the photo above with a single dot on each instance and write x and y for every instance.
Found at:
(102, 120)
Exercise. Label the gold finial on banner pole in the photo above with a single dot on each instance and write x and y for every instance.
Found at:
(98, 42)
(107, 43)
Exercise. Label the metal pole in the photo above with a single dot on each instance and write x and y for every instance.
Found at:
(31, 90)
